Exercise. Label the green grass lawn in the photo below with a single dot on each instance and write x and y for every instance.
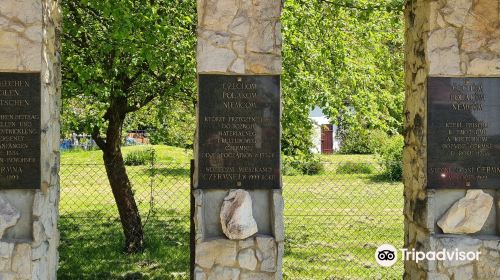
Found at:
(334, 222)
(164, 154)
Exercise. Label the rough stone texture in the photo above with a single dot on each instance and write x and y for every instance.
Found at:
(21, 261)
(485, 268)
(224, 273)
(9, 215)
(232, 259)
(21, 35)
(6, 250)
(438, 276)
(199, 274)
(443, 38)
(256, 276)
(467, 215)
(414, 154)
(219, 251)
(463, 37)
(239, 36)
(278, 219)
(29, 42)
(466, 244)
(236, 215)
(267, 253)
(480, 66)
(463, 273)
(247, 259)
(443, 44)
(247, 243)
(198, 215)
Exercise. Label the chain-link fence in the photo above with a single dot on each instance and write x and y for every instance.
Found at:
(334, 222)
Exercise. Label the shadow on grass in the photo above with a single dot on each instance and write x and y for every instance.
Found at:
(93, 249)
(166, 171)
(384, 178)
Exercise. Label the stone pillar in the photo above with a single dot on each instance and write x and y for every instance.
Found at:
(445, 38)
(238, 37)
(29, 45)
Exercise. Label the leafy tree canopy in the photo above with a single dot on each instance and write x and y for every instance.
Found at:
(126, 50)
(346, 57)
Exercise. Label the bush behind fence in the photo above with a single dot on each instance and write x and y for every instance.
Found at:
(334, 222)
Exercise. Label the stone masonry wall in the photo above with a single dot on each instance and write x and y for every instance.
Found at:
(239, 37)
(255, 258)
(29, 42)
(456, 38)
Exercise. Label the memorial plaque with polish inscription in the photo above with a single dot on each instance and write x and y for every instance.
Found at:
(20, 130)
(463, 133)
(239, 132)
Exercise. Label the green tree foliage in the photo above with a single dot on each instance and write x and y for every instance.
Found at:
(391, 157)
(173, 123)
(118, 57)
(347, 57)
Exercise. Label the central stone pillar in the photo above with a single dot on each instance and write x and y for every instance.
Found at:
(238, 203)
(452, 137)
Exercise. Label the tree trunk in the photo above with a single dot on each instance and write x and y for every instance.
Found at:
(125, 201)
(120, 184)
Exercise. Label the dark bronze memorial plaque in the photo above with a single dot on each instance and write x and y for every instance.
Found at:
(239, 132)
(20, 130)
(463, 133)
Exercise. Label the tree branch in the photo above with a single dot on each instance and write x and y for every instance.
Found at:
(96, 135)
(140, 104)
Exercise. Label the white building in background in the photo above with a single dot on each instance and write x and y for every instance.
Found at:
(325, 138)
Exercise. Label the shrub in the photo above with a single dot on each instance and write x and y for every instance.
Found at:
(376, 140)
(391, 158)
(356, 141)
(141, 157)
(363, 141)
(289, 170)
(355, 168)
(312, 167)
(288, 166)
(302, 164)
